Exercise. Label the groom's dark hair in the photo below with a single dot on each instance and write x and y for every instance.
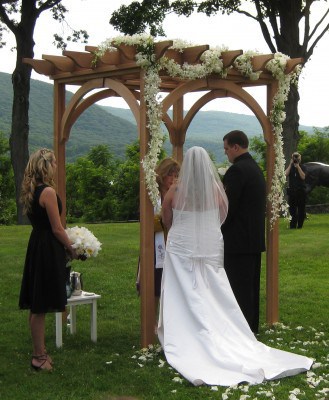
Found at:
(237, 137)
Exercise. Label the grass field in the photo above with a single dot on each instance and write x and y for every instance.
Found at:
(112, 368)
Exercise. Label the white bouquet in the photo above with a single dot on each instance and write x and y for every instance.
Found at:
(84, 242)
(222, 170)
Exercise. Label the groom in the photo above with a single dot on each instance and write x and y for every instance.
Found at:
(244, 228)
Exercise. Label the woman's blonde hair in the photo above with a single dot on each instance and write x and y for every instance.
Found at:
(39, 170)
(166, 167)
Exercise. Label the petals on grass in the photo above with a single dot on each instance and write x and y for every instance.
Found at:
(177, 379)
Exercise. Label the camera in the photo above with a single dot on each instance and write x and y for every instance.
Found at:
(296, 158)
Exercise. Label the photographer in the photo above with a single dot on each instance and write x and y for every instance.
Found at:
(296, 191)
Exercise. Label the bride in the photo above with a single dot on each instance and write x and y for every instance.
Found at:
(201, 328)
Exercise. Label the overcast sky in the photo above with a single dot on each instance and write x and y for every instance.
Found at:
(234, 31)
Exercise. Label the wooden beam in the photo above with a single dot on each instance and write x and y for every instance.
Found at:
(191, 55)
(83, 60)
(292, 64)
(259, 62)
(178, 138)
(59, 146)
(161, 47)
(61, 63)
(127, 52)
(109, 58)
(174, 54)
(41, 66)
(229, 56)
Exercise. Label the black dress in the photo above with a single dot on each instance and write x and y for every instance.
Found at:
(43, 283)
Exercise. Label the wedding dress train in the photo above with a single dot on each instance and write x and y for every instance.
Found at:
(201, 328)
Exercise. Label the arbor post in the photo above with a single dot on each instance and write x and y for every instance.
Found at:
(272, 236)
(59, 145)
(146, 237)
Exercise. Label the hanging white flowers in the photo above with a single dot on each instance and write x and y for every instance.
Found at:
(210, 63)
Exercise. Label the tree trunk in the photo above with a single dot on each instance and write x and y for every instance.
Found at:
(20, 112)
(288, 43)
(290, 126)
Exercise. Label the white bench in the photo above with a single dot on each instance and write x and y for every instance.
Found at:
(72, 302)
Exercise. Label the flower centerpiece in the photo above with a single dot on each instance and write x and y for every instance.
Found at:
(86, 245)
(84, 242)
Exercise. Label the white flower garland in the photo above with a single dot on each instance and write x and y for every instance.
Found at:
(210, 64)
(277, 116)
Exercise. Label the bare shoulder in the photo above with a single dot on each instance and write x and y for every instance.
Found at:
(48, 191)
(48, 194)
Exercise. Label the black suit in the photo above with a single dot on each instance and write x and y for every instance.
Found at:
(244, 233)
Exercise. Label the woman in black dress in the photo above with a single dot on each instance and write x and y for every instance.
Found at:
(43, 283)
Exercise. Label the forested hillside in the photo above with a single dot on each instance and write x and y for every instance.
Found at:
(95, 126)
(115, 127)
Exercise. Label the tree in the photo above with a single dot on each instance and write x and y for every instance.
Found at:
(7, 204)
(20, 17)
(313, 148)
(126, 185)
(90, 193)
(285, 26)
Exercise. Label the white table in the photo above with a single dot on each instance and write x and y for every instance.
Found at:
(72, 302)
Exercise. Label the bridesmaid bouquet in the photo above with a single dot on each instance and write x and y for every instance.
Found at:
(84, 242)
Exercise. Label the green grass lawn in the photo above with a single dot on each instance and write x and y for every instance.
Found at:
(112, 367)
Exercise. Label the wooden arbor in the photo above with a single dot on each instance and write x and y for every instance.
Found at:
(117, 74)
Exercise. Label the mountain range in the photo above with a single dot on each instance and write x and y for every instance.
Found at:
(115, 127)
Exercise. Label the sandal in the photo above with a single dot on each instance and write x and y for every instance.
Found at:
(49, 359)
(42, 366)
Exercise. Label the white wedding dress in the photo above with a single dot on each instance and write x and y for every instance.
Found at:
(201, 328)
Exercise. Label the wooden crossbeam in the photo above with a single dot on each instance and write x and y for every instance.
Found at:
(40, 66)
(259, 62)
(229, 56)
(175, 54)
(61, 63)
(127, 52)
(292, 64)
(191, 55)
(161, 47)
(83, 60)
(108, 58)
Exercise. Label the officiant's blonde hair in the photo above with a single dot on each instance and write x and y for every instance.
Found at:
(39, 170)
(166, 167)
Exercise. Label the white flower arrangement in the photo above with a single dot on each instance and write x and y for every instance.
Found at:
(243, 64)
(83, 241)
(277, 116)
(210, 64)
(222, 170)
